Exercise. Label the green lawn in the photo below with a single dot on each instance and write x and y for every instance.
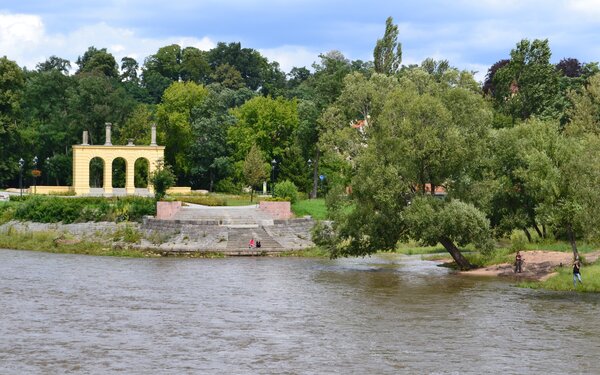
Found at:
(314, 207)
(564, 280)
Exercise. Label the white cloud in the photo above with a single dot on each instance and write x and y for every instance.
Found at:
(23, 38)
(586, 9)
(290, 56)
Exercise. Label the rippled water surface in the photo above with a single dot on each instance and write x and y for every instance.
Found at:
(378, 315)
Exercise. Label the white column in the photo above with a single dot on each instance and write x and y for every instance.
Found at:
(108, 126)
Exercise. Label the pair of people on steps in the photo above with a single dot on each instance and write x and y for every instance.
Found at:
(252, 244)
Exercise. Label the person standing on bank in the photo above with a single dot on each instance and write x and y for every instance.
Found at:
(518, 262)
(576, 272)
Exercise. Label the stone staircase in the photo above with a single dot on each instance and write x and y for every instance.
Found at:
(238, 217)
(227, 230)
(240, 237)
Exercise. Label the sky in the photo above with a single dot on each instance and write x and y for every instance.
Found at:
(471, 34)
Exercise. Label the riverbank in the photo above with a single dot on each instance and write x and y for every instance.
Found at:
(549, 270)
(138, 240)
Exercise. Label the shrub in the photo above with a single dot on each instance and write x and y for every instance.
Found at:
(228, 186)
(518, 241)
(207, 200)
(162, 179)
(286, 190)
(68, 210)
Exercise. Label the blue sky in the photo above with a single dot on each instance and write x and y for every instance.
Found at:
(471, 34)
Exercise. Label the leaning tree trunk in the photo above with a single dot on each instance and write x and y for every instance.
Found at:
(527, 234)
(538, 231)
(460, 260)
(572, 241)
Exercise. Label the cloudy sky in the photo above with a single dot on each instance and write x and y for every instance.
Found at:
(471, 34)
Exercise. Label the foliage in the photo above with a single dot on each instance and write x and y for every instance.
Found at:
(11, 83)
(529, 84)
(175, 115)
(255, 168)
(207, 200)
(286, 189)
(127, 234)
(162, 178)
(264, 122)
(388, 52)
(45, 209)
(518, 241)
(431, 220)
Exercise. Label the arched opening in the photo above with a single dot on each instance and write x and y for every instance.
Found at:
(141, 173)
(119, 166)
(96, 172)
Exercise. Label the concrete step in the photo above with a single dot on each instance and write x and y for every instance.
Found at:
(239, 239)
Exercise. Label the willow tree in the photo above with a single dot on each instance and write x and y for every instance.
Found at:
(421, 134)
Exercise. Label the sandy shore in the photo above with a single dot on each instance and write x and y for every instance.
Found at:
(537, 265)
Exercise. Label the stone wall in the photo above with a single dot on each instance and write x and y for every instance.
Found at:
(279, 210)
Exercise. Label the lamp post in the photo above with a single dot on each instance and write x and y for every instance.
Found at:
(47, 163)
(273, 164)
(310, 170)
(35, 174)
(21, 165)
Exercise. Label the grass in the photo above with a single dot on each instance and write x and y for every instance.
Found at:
(561, 246)
(412, 248)
(564, 280)
(49, 241)
(314, 207)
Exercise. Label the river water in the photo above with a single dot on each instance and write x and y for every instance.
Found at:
(378, 315)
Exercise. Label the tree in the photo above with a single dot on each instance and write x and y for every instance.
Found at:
(54, 63)
(94, 100)
(162, 178)
(129, 69)
(255, 169)
(227, 76)
(450, 223)
(174, 117)
(249, 62)
(529, 84)
(265, 122)
(388, 52)
(12, 81)
(585, 108)
(563, 176)
(209, 153)
(194, 65)
(421, 134)
(161, 70)
(489, 88)
(99, 61)
(569, 67)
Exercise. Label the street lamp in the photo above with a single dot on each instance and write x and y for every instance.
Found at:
(310, 194)
(21, 165)
(35, 174)
(273, 164)
(47, 170)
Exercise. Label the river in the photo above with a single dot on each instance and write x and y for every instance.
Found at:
(379, 315)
